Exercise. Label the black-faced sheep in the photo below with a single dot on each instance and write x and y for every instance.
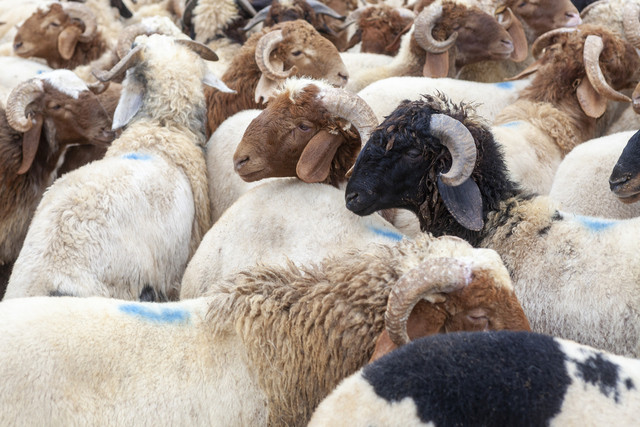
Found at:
(577, 277)
(288, 49)
(83, 239)
(47, 118)
(263, 348)
(625, 176)
(491, 379)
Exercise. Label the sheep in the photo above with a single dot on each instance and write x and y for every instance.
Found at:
(262, 348)
(565, 102)
(620, 16)
(451, 46)
(492, 379)
(45, 116)
(581, 183)
(562, 264)
(207, 20)
(624, 176)
(83, 239)
(258, 68)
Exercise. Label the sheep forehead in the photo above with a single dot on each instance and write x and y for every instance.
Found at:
(66, 81)
(295, 86)
(161, 24)
(46, 7)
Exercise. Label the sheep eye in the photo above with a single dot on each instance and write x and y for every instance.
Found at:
(303, 127)
(56, 107)
(414, 154)
(54, 24)
(297, 53)
(523, 4)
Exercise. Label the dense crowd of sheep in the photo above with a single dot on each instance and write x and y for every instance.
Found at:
(319, 212)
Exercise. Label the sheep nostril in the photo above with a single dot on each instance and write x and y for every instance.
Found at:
(239, 164)
(351, 197)
(344, 77)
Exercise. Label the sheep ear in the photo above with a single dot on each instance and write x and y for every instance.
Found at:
(315, 161)
(212, 80)
(30, 142)
(128, 105)
(593, 104)
(436, 65)
(520, 44)
(464, 202)
(67, 41)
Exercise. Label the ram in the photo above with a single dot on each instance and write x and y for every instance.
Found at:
(577, 277)
(493, 379)
(125, 226)
(263, 348)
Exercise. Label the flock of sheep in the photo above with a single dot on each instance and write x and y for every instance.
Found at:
(295, 212)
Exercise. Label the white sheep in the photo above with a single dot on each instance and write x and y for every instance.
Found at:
(263, 348)
(496, 378)
(581, 183)
(131, 221)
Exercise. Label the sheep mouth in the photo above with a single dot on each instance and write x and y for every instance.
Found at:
(629, 198)
(360, 206)
(252, 175)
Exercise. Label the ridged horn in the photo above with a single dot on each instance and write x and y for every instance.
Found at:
(433, 276)
(129, 60)
(86, 15)
(322, 9)
(508, 18)
(258, 18)
(128, 35)
(593, 5)
(202, 50)
(247, 7)
(631, 23)
(351, 107)
(456, 137)
(544, 40)
(593, 46)
(424, 24)
(21, 96)
(265, 46)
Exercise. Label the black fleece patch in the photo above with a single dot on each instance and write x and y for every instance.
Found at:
(601, 373)
(481, 378)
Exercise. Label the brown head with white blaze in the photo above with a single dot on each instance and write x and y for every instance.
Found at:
(451, 294)
(310, 130)
(56, 31)
(467, 34)
(61, 107)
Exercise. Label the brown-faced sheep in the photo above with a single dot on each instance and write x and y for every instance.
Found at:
(263, 348)
(288, 49)
(45, 116)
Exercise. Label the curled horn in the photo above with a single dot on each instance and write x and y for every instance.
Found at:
(247, 7)
(353, 17)
(592, 6)
(545, 39)
(456, 137)
(265, 46)
(508, 18)
(431, 277)
(593, 46)
(424, 24)
(21, 96)
(86, 15)
(351, 107)
(129, 60)
(323, 9)
(202, 50)
(258, 18)
(128, 35)
(631, 23)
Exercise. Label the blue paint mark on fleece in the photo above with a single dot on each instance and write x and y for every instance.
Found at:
(136, 156)
(510, 124)
(504, 85)
(389, 234)
(156, 315)
(595, 224)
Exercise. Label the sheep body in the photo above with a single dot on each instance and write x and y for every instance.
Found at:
(539, 380)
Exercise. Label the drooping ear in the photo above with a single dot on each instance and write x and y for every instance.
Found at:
(212, 80)
(30, 142)
(464, 202)
(520, 44)
(534, 67)
(436, 65)
(128, 105)
(67, 41)
(592, 103)
(315, 161)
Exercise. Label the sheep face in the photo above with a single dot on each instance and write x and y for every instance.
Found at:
(545, 15)
(50, 33)
(625, 177)
(400, 166)
(280, 138)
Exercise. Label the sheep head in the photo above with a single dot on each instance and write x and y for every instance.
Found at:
(379, 28)
(585, 66)
(305, 131)
(447, 170)
(625, 176)
(476, 36)
(296, 49)
(451, 294)
(64, 107)
(540, 16)
(53, 32)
